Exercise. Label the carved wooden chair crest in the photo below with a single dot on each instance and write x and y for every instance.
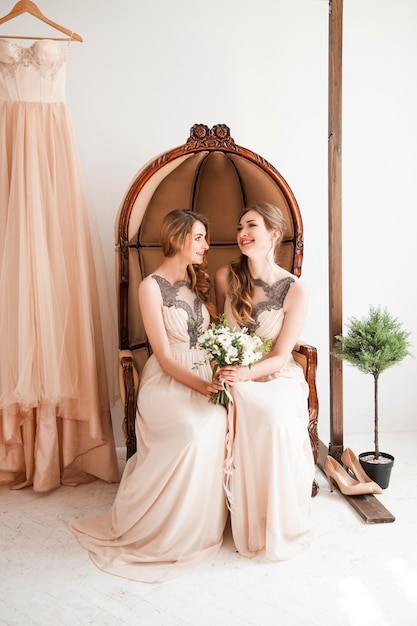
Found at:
(214, 176)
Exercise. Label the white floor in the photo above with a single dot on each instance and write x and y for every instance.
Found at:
(354, 574)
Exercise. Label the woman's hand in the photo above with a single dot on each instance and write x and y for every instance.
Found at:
(231, 374)
(210, 388)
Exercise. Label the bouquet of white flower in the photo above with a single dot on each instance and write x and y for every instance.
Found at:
(231, 347)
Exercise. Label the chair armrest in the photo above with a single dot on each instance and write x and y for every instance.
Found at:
(306, 356)
(129, 385)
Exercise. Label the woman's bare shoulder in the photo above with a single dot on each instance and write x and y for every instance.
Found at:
(298, 289)
(148, 286)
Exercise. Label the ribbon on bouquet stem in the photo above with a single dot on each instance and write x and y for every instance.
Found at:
(228, 466)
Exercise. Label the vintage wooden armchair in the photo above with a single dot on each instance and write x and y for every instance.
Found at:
(214, 176)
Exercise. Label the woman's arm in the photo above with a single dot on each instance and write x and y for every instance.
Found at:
(150, 304)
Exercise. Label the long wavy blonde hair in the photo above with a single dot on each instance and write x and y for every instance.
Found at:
(175, 228)
(241, 286)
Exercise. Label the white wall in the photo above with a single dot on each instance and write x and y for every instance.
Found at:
(147, 71)
(380, 195)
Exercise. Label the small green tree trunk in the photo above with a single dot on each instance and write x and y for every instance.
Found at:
(376, 426)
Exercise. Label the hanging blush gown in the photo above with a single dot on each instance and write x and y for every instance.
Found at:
(273, 472)
(56, 372)
(170, 510)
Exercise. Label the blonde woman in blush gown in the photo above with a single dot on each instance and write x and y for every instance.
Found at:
(273, 463)
(169, 513)
(57, 372)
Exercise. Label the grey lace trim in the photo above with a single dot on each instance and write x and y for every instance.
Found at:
(169, 298)
(275, 298)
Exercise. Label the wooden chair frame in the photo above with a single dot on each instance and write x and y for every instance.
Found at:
(206, 141)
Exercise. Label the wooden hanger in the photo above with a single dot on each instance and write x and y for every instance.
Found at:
(26, 6)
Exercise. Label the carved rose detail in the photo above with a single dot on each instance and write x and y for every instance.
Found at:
(200, 131)
(203, 137)
(221, 131)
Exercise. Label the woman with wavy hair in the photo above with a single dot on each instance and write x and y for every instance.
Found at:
(273, 462)
(170, 510)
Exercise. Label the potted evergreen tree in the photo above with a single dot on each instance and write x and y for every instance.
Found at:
(372, 344)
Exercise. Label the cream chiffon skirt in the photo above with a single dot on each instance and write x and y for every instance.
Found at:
(57, 355)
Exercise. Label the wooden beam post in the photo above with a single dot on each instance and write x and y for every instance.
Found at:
(368, 507)
(335, 221)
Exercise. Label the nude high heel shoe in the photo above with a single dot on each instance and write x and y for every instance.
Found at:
(347, 485)
(351, 462)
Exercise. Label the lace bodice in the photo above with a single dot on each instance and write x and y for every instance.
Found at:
(178, 298)
(267, 311)
(275, 296)
(35, 73)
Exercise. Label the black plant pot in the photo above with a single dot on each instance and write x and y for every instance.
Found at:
(378, 470)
